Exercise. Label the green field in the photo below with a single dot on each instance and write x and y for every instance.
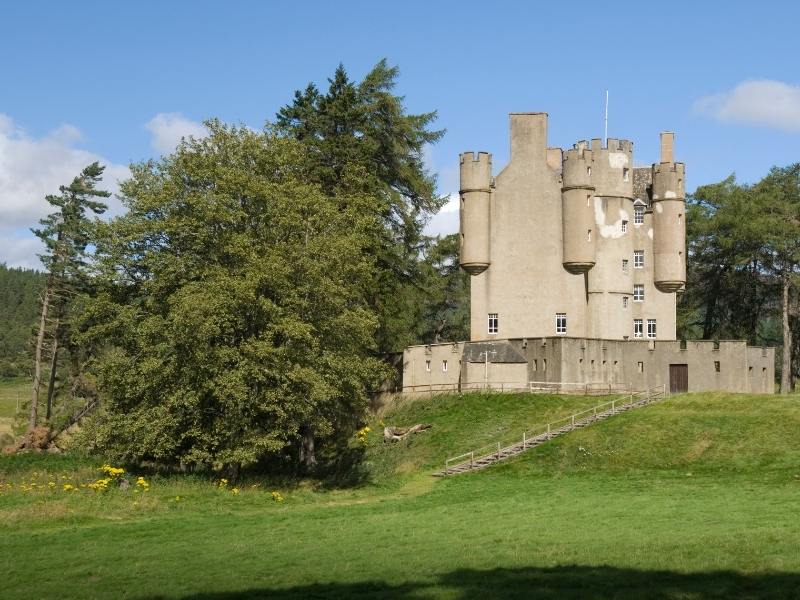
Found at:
(695, 497)
(13, 394)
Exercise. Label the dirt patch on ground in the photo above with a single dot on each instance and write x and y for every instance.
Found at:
(698, 448)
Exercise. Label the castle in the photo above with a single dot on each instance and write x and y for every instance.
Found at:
(575, 259)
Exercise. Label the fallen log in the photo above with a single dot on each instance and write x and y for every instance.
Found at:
(395, 434)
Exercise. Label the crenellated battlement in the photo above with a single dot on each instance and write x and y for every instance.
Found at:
(669, 167)
(578, 152)
(576, 169)
(479, 157)
(611, 145)
(476, 171)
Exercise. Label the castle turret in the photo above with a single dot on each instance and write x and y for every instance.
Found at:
(612, 205)
(669, 223)
(579, 238)
(476, 180)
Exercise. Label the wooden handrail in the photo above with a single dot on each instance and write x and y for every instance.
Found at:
(546, 432)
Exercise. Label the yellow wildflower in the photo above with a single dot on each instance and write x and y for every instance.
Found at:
(112, 471)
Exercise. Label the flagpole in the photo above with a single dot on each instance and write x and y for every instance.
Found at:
(606, 122)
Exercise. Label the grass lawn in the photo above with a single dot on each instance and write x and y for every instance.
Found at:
(696, 497)
(13, 392)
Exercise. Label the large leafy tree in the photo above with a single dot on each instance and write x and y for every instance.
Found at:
(365, 124)
(66, 233)
(234, 306)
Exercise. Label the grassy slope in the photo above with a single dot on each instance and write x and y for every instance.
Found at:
(697, 497)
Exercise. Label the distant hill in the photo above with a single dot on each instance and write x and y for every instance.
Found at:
(19, 305)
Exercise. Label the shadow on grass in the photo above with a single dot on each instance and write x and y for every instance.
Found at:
(557, 583)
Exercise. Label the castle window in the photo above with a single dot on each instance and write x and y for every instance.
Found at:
(561, 323)
(428, 366)
(626, 174)
(716, 366)
(535, 363)
(624, 226)
(640, 366)
(638, 259)
(651, 328)
(638, 328)
(638, 292)
(624, 302)
(544, 364)
(638, 214)
(588, 235)
(494, 323)
(624, 265)
(444, 365)
(589, 171)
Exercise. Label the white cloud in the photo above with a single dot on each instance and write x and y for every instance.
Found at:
(31, 168)
(167, 130)
(20, 249)
(765, 102)
(445, 221)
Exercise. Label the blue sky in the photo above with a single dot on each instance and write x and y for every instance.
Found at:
(123, 81)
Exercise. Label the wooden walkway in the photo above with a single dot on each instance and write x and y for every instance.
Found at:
(485, 456)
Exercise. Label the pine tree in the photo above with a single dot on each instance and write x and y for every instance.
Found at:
(66, 234)
(363, 125)
(778, 203)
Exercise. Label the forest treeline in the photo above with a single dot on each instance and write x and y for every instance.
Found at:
(743, 249)
(240, 312)
(19, 305)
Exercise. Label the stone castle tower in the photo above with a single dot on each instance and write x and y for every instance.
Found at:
(575, 259)
(575, 242)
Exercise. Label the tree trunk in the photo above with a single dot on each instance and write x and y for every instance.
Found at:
(710, 313)
(786, 367)
(308, 457)
(52, 381)
(37, 364)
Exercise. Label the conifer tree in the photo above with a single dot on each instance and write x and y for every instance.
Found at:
(365, 125)
(778, 204)
(66, 233)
